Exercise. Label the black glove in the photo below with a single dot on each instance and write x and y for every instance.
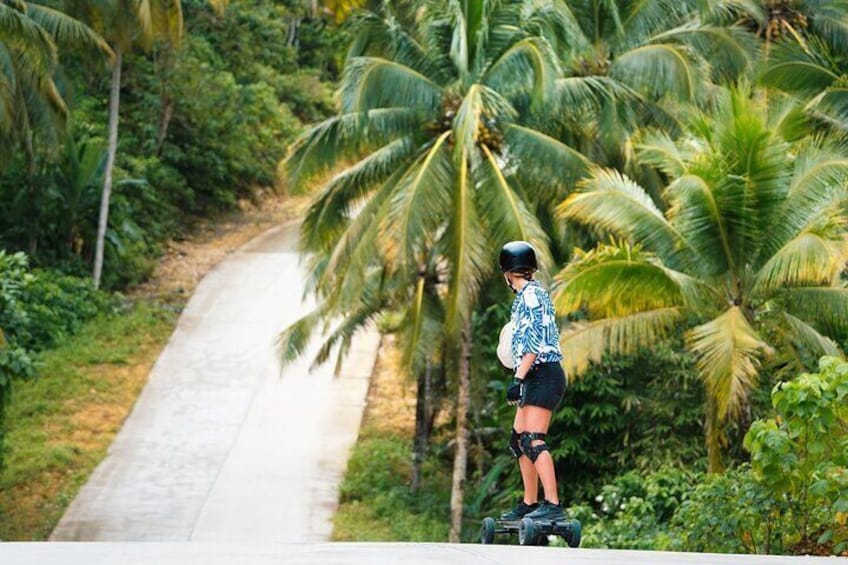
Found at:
(515, 392)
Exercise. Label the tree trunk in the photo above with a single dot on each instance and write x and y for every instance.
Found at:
(291, 33)
(460, 461)
(166, 112)
(32, 189)
(715, 439)
(164, 66)
(114, 104)
(423, 423)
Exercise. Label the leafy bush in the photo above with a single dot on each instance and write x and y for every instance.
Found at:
(375, 490)
(794, 495)
(39, 308)
(633, 511)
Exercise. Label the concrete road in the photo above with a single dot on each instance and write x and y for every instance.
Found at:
(221, 446)
(361, 554)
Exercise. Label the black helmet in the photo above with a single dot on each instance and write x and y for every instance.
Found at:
(517, 256)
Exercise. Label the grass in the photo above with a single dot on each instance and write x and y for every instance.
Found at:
(60, 424)
(376, 503)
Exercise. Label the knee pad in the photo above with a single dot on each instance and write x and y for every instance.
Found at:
(514, 445)
(527, 448)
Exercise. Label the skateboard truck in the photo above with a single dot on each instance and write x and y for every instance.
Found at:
(532, 532)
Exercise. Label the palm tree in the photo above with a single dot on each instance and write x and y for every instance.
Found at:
(124, 23)
(625, 61)
(31, 107)
(812, 69)
(749, 248)
(432, 133)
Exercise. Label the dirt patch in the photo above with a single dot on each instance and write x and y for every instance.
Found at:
(391, 396)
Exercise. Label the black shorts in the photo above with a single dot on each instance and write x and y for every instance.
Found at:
(544, 385)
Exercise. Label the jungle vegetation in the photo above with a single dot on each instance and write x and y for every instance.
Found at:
(681, 167)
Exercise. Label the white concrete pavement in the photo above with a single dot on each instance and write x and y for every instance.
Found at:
(362, 554)
(220, 445)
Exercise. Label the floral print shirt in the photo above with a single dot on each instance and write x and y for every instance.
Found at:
(534, 326)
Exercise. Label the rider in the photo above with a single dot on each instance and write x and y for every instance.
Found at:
(538, 383)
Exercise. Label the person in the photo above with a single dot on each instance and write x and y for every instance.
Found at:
(538, 383)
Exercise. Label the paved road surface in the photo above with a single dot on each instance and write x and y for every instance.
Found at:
(220, 446)
(362, 554)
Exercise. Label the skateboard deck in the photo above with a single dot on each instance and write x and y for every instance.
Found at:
(531, 532)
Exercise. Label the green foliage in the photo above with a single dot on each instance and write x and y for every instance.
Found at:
(60, 424)
(794, 494)
(225, 136)
(801, 455)
(376, 503)
(39, 308)
(730, 513)
(633, 511)
(202, 126)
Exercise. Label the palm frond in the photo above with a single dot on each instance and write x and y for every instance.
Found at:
(374, 82)
(470, 257)
(345, 268)
(341, 338)
(797, 70)
(584, 343)
(344, 137)
(618, 280)
(826, 307)
(730, 50)
(646, 19)
(23, 33)
(386, 37)
(807, 336)
(727, 351)
(819, 187)
(659, 69)
(544, 161)
(815, 257)
(527, 60)
(657, 149)
(160, 19)
(505, 213)
(67, 31)
(611, 202)
(422, 327)
(292, 342)
(830, 21)
(331, 208)
(419, 206)
(695, 212)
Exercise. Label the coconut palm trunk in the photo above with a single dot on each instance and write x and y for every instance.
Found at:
(460, 461)
(114, 105)
(423, 423)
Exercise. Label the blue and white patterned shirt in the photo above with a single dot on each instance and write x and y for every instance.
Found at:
(534, 326)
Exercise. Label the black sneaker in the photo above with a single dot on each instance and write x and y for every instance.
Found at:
(517, 513)
(547, 512)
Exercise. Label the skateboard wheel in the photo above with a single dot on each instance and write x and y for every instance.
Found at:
(487, 531)
(574, 537)
(526, 532)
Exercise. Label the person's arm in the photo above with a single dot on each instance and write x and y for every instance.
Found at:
(525, 365)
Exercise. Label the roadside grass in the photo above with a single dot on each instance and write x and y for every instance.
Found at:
(60, 424)
(375, 501)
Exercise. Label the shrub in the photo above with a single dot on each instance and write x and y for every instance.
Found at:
(794, 495)
(39, 308)
(634, 510)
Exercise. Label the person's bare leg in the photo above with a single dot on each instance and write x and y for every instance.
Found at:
(529, 476)
(537, 419)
